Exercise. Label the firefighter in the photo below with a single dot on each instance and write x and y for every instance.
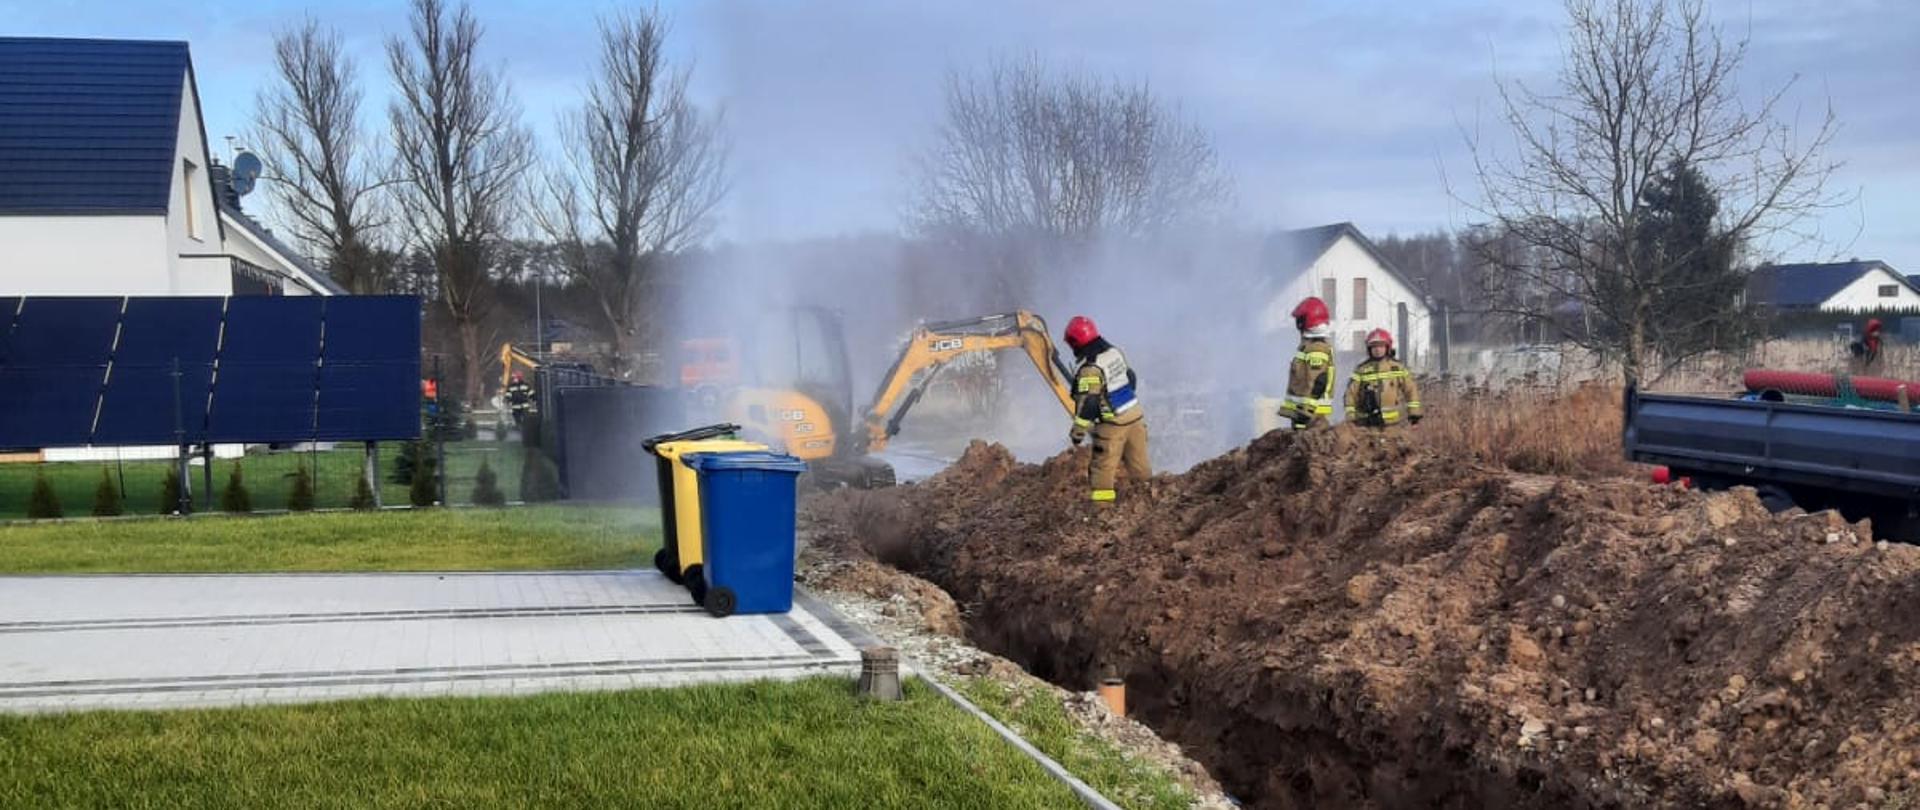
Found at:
(519, 398)
(1381, 392)
(1106, 404)
(1866, 350)
(1309, 401)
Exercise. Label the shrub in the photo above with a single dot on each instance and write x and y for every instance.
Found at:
(423, 491)
(301, 498)
(106, 497)
(235, 497)
(43, 503)
(409, 460)
(362, 494)
(170, 492)
(1549, 433)
(539, 479)
(486, 487)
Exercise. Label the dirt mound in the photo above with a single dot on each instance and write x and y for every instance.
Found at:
(1346, 619)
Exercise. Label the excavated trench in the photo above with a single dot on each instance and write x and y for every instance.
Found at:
(1439, 636)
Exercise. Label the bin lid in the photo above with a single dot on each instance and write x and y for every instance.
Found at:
(682, 448)
(769, 462)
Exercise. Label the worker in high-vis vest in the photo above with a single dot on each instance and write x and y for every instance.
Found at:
(1309, 401)
(1381, 392)
(1107, 405)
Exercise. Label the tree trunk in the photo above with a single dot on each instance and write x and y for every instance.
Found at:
(475, 357)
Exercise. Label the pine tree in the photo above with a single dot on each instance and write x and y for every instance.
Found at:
(423, 491)
(301, 498)
(170, 492)
(235, 497)
(43, 503)
(362, 494)
(486, 487)
(106, 497)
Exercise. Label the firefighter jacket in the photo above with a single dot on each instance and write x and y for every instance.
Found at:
(1382, 393)
(520, 396)
(1104, 390)
(1310, 383)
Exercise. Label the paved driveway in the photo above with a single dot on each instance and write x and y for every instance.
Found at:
(145, 641)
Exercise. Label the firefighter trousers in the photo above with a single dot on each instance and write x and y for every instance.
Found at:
(1115, 446)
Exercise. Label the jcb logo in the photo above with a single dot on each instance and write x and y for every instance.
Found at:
(793, 416)
(803, 428)
(948, 345)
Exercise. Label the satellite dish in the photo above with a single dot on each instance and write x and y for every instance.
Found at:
(246, 171)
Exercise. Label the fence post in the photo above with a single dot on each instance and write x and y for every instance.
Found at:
(372, 472)
(184, 497)
(439, 443)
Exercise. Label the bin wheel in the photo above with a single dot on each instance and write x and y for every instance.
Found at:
(721, 601)
(668, 563)
(696, 579)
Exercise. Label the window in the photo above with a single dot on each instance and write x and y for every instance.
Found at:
(1359, 299)
(191, 174)
(1329, 290)
(1889, 291)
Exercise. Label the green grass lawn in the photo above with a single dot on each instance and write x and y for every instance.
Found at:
(268, 477)
(763, 745)
(1039, 717)
(531, 537)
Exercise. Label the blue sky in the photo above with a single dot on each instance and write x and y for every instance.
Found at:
(1322, 111)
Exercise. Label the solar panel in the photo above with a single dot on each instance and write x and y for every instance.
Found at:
(263, 388)
(139, 405)
(251, 369)
(369, 379)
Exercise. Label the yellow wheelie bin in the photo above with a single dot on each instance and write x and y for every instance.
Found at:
(679, 556)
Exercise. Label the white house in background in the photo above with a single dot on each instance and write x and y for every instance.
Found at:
(107, 186)
(1852, 286)
(1363, 290)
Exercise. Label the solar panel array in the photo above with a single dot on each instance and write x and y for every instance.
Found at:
(101, 371)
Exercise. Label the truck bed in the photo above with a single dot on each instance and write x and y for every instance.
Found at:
(1841, 451)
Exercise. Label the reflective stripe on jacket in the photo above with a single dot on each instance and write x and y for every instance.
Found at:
(1382, 392)
(1104, 389)
(1310, 380)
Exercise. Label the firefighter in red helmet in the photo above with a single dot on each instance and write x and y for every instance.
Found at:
(1107, 405)
(1309, 401)
(1381, 393)
(1866, 350)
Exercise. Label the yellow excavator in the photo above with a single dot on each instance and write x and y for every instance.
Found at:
(796, 393)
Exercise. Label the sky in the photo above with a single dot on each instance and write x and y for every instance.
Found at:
(1321, 111)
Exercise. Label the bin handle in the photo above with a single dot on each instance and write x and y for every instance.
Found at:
(713, 431)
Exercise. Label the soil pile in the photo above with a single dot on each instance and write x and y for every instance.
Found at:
(1346, 619)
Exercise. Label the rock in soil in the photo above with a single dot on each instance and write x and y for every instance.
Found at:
(1343, 618)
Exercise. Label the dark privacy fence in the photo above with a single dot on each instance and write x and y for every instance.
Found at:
(161, 371)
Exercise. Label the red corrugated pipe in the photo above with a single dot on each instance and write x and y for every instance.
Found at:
(1813, 384)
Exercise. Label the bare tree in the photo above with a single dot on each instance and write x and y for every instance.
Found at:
(1027, 154)
(642, 173)
(459, 155)
(318, 166)
(1647, 85)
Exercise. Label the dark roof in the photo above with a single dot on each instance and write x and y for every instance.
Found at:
(1296, 250)
(1790, 286)
(261, 233)
(88, 126)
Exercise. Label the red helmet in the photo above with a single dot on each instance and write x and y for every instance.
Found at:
(1380, 336)
(518, 377)
(1311, 313)
(1081, 331)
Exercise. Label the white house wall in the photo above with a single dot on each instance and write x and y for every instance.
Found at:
(194, 263)
(1864, 294)
(1343, 262)
(85, 255)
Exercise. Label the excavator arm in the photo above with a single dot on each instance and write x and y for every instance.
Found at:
(509, 355)
(934, 345)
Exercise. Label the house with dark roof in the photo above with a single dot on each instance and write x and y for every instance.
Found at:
(1850, 286)
(107, 184)
(1363, 289)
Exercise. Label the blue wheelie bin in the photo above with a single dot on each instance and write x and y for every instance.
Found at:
(747, 529)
